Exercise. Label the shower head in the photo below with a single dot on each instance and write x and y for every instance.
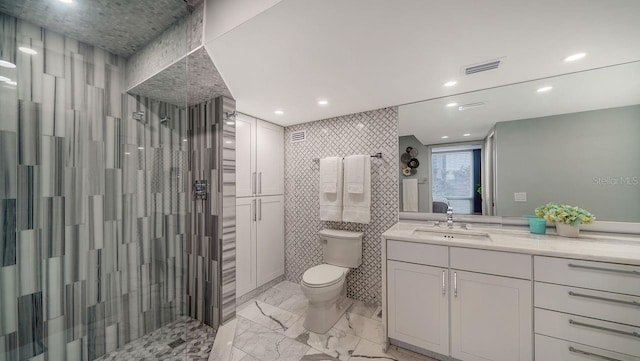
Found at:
(230, 115)
(164, 120)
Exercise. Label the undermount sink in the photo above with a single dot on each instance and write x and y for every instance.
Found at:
(454, 233)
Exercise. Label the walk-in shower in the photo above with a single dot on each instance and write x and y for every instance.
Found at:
(102, 245)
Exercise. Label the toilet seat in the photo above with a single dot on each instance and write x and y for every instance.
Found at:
(323, 275)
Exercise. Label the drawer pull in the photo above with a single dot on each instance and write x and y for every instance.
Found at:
(443, 284)
(632, 303)
(632, 272)
(633, 334)
(575, 350)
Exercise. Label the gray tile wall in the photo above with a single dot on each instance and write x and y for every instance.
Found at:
(361, 133)
(211, 222)
(92, 202)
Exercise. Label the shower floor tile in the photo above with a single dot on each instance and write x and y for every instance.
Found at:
(155, 346)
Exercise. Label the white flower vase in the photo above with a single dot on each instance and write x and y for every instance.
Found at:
(567, 230)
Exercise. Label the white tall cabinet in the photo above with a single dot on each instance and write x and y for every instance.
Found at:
(259, 203)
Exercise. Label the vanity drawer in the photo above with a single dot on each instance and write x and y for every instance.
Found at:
(492, 262)
(427, 254)
(579, 301)
(553, 349)
(588, 331)
(603, 276)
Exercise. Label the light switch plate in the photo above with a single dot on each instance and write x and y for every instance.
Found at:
(520, 196)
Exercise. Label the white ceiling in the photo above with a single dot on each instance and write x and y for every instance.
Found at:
(609, 87)
(368, 54)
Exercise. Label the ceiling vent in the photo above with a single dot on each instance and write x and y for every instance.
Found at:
(471, 105)
(478, 68)
(298, 136)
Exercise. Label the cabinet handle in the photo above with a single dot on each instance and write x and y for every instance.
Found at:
(575, 350)
(632, 303)
(633, 272)
(260, 209)
(443, 284)
(633, 334)
(260, 183)
(455, 284)
(253, 205)
(253, 183)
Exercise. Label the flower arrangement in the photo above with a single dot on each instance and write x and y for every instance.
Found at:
(561, 213)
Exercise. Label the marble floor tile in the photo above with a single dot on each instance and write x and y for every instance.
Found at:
(295, 304)
(367, 351)
(360, 326)
(315, 355)
(264, 344)
(289, 286)
(363, 309)
(377, 315)
(237, 354)
(269, 316)
(276, 296)
(336, 343)
(245, 305)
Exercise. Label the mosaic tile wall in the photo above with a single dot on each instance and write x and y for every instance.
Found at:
(361, 133)
(181, 37)
(211, 222)
(92, 202)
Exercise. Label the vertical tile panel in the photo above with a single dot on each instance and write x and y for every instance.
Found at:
(55, 339)
(29, 121)
(8, 300)
(53, 287)
(53, 53)
(30, 326)
(53, 226)
(7, 232)
(8, 165)
(9, 347)
(29, 266)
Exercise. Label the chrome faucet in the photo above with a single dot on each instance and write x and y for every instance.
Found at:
(450, 217)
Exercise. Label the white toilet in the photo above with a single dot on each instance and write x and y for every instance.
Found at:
(325, 285)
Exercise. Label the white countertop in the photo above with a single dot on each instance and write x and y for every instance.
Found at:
(605, 247)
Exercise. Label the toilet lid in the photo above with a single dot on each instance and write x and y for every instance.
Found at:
(323, 275)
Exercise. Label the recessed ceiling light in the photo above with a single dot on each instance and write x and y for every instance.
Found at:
(184, 140)
(444, 137)
(4, 78)
(451, 105)
(141, 148)
(66, 1)
(466, 134)
(228, 142)
(451, 83)
(323, 102)
(26, 50)
(127, 153)
(12, 82)
(7, 64)
(231, 122)
(544, 89)
(278, 112)
(575, 57)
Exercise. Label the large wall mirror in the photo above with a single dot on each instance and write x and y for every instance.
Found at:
(573, 139)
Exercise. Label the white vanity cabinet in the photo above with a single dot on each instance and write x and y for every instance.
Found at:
(418, 295)
(472, 305)
(586, 310)
(490, 305)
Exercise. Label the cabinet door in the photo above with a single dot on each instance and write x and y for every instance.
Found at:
(270, 159)
(270, 238)
(491, 318)
(245, 155)
(418, 305)
(245, 245)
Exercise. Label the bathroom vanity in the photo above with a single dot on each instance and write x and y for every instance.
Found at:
(504, 294)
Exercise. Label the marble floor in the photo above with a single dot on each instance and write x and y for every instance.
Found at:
(158, 344)
(269, 328)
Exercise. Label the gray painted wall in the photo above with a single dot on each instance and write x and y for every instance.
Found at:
(556, 159)
(422, 172)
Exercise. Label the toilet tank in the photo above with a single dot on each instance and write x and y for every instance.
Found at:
(341, 248)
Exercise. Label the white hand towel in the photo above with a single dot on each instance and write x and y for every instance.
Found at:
(355, 172)
(410, 195)
(329, 174)
(331, 203)
(357, 206)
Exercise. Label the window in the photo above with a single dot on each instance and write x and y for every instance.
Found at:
(454, 177)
